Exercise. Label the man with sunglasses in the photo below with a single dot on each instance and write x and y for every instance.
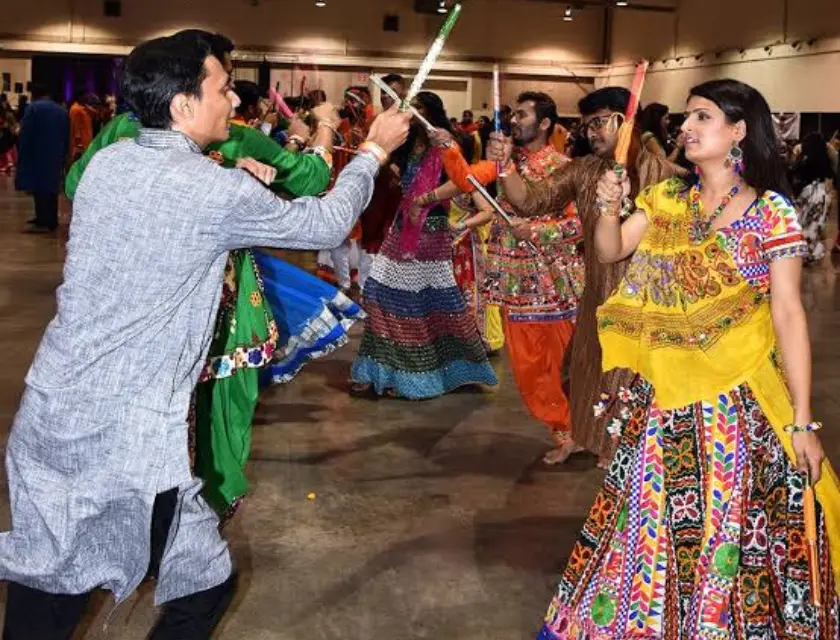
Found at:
(602, 114)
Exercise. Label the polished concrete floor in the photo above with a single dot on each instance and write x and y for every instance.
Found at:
(429, 520)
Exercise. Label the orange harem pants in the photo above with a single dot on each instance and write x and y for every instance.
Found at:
(537, 351)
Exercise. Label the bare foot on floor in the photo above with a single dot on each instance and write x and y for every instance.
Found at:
(561, 453)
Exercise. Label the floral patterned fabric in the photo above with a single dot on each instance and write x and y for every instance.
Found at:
(813, 205)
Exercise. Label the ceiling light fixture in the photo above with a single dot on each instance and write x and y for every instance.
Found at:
(621, 3)
(320, 3)
(441, 6)
(567, 16)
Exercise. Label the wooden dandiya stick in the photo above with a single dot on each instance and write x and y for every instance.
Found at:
(431, 56)
(625, 133)
(810, 509)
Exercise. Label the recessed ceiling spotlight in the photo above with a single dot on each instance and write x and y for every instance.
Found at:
(567, 16)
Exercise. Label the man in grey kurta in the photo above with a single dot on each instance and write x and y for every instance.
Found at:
(102, 427)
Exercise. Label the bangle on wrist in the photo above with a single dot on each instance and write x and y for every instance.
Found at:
(375, 150)
(297, 140)
(608, 209)
(803, 428)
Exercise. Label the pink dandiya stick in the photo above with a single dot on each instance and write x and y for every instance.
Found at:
(280, 103)
(625, 133)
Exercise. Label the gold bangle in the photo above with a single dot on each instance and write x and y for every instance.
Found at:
(608, 209)
(375, 150)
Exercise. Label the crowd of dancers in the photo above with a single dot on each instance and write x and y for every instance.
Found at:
(634, 302)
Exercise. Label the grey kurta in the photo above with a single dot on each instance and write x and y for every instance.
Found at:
(102, 427)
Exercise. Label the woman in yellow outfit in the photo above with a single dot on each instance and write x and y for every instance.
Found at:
(469, 253)
(698, 532)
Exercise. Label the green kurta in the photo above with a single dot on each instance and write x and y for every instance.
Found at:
(298, 174)
(245, 331)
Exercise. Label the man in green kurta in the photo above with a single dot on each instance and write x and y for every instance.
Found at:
(246, 333)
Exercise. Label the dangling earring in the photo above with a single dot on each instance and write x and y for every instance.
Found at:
(735, 159)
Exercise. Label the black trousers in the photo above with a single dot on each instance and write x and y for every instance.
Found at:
(36, 615)
(46, 210)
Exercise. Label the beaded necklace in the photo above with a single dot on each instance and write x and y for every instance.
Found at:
(701, 227)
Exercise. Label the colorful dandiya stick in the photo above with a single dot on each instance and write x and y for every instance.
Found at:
(280, 103)
(810, 509)
(431, 56)
(625, 133)
(393, 94)
(480, 190)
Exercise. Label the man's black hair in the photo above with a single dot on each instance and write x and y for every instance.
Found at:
(158, 70)
(218, 43)
(248, 93)
(544, 107)
(38, 91)
(615, 99)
